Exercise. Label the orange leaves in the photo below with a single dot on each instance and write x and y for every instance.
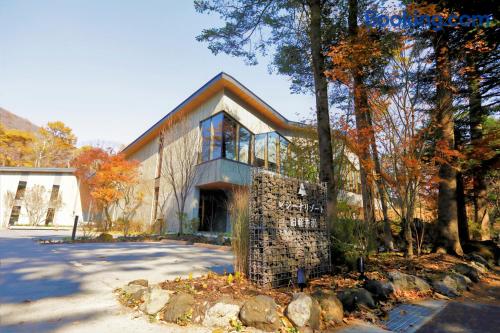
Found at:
(107, 175)
(352, 57)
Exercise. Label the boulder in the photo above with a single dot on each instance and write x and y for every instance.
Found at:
(332, 310)
(475, 257)
(480, 267)
(467, 270)
(489, 250)
(406, 282)
(447, 286)
(381, 290)
(155, 300)
(135, 292)
(139, 282)
(220, 314)
(260, 312)
(304, 311)
(356, 297)
(179, 308)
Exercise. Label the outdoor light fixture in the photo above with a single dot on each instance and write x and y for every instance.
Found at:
(361, 268)
(302, 190)
(301, 278)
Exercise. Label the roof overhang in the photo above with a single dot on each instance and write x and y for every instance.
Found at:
(220, 82)
(36, 170)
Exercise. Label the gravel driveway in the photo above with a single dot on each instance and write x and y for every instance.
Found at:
(68, 287)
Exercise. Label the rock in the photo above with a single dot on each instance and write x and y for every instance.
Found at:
(406, 282)
(475, 257)
(220, 314)
(155, 300)
(480, 267)
(447, 286)
(469, 271)
(179, 308)
(332, 310)
(355, 297)
(304, 311)
(260, 312)
(135, 291)
(380, 290)
(489, 250)
(139, 282)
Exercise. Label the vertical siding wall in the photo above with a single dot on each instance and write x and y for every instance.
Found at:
(148, 156)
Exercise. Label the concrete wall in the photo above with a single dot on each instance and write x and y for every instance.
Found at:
(68, 190)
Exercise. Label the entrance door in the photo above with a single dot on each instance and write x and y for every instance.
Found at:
(213, 210)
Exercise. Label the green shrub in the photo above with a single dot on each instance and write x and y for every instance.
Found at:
(104, 237)
(351, 239)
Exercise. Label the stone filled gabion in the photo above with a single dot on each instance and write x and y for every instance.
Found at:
(288, 230)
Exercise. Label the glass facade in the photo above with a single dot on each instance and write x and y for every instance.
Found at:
(224, 137)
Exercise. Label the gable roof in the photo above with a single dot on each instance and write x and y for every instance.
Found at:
(217, 83)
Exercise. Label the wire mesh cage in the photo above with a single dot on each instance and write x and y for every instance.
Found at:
(287, 229)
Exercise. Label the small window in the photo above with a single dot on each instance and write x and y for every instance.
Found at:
(206, 134)
(260, 150)
(55, 193)
(21, 189)
(50, 216)
(14, 215)
(272, 150)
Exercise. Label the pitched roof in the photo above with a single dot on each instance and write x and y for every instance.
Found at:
(209, 89)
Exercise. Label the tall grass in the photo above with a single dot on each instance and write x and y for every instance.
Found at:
(239, 214)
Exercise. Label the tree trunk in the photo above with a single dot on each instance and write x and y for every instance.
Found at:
(448, 239)
(360, 111)
(322, 112)
(108, 224)
(476, 118)
(388, 241)
(463, 227)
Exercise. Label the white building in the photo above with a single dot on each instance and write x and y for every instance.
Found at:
(51, 195)
(237, 130)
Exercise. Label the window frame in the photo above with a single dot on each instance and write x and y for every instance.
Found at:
(223, 144)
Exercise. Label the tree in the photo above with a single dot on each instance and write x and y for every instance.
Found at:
(179, 169)
(37, 202)
(299, 33)
(54, 145)
(107, 176)
(15, 147)
(403, 133)
(132, 199)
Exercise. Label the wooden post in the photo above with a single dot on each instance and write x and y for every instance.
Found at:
(74, 228)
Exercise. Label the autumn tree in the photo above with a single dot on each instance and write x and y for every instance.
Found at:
(54, 145)
(299, 34)
(108, 177)
(15, 147)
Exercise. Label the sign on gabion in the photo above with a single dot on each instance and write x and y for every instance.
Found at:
(288, 229)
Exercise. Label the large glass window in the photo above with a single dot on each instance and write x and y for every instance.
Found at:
(230, 139)
(260, 149)
(217, 122)
(222, 136)
(283, 153)
(245, 139)
(272, 150)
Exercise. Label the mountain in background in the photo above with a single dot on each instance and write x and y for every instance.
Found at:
(12, 121)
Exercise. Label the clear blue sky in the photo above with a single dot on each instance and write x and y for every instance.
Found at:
(111, 68)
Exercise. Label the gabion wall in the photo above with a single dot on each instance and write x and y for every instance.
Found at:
(288, 230)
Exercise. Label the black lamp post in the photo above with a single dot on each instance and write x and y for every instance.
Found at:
(361, 268)
(301, 278)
